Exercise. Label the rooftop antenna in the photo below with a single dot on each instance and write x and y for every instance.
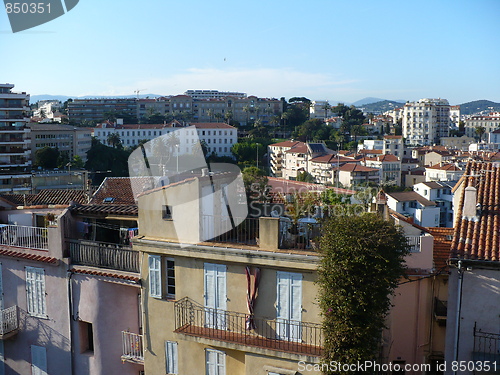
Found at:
(137, 92)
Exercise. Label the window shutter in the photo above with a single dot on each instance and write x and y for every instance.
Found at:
(1, 288)
(210, 275)
(38, 360)
(171, 357)
(154, 262)
(215, 362)
(35, 291)
(221, 287)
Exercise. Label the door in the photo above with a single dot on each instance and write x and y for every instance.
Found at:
(289, 306)
(215, 295)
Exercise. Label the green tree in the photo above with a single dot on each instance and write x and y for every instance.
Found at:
(218, 116)
(77, 162)
(210, 114)
(63, 159)
(305, 177)
(480, 130)
(114, 140)
(46, 157)
(363, 260)
(255, 181)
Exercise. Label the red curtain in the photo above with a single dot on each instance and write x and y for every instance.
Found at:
(251, 295)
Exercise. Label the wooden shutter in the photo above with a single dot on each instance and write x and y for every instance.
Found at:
(289, 305)
(171, 357)
(215, 295)
(216, 362)
(154, 262)
(35, 291)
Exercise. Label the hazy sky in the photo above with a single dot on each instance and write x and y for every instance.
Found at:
(335, 50)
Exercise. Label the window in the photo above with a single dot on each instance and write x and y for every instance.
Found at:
(154, 262)
(166, 212)
(215, 295)
(289, 305)
(38, 360)
(170, 266)
(86, 337)
(216, 362)
(171, 357)
(35, 291)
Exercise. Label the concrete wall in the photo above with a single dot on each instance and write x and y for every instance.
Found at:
(480, 301)
(111, 308)
(51, 332)
(160, 318)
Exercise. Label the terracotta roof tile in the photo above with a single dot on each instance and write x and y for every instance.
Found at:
(408, 196)
(15, 252)
(442, 246)
(59, 196)
(107, 273)
(118, 188)
(478, 238)
(106, 209)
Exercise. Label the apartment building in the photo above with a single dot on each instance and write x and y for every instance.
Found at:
(389, 167)
(213, 94)
(276, 155)
(426, 121)
(98, 109)
(319, 109)
(490, 123)
(67, 138)
(353, 174)
(218, 137)
(394, 145)
(443, 172)
(15, 144)
(411, 204)
(457, 143)
(441, 194)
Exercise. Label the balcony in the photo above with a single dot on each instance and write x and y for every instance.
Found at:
(440, 311)
(132, 348)
(486, 346)
(104, 255)
(245, 233)
(289, 336)
(414, 243)
(9, 324)
(24, 236)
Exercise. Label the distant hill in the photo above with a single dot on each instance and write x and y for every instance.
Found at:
(62, 98)
(479, 106)
(381, 106)
(362, 102)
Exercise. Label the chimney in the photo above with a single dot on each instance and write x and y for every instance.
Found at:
(470, 202)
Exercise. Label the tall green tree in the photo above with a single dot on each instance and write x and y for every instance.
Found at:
(114, 140)
(480, 130)
(362, 263)
(46, 157)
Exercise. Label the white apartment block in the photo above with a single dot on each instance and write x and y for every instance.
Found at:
(319, 109)
(213, 94)
(218, 137)
(394, 145)
(426, 121)
(490, 123)
(439, 193)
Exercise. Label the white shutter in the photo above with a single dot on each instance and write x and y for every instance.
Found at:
(171, 357)
(215, 362)
(289, 305)
(154, 262)
(35, 291)
(38, 360)
(215, 295)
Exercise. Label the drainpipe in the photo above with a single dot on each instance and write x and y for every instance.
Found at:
(70, 303)
(458, 310)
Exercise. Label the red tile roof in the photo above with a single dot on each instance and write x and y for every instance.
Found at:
(109, 273)
(118, 188)
(354, 167)
(286, 144)
(384, 158)
(15, 252)
(393, 136)
(479, 238)
(298, 149)
(408, 196)
(445, 167)
(106, 209)
(59, 196)
(330, 158)
(442, 246)
(284, 186)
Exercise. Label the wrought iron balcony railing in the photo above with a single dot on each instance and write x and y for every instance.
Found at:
(132, 347)
(486, 346)
(282, 335)
(9, 322)
(104, 255)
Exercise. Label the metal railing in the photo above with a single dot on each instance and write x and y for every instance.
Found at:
(414, 243)
(132, 347)
(486, 345)
(284, 335)
(246, 232)
(104, 255)
(9, 320)
(24, 236)
(299, 236)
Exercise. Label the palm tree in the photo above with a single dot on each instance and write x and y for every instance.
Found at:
(326, 107)
(246, 109)
(218, 116)
(114, 139)
(228, 116)
(210, 114)
(480, 130)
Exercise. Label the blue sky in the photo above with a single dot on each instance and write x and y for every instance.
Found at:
(335, 50)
